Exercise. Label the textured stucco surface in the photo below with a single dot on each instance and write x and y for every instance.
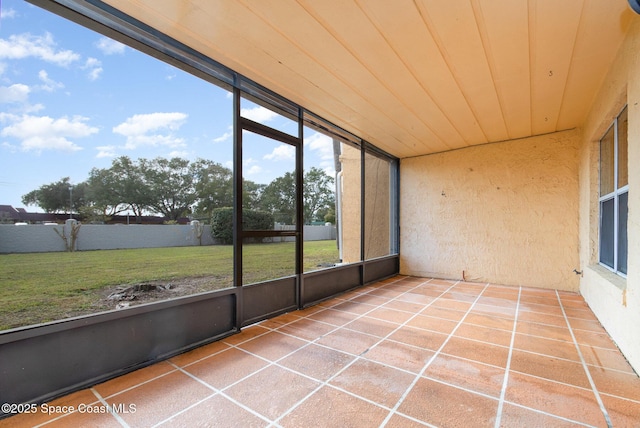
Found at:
(614, 300)
(503, 213)
(376, 207)
(350, 199)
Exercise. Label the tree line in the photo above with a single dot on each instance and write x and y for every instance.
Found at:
(177, 187)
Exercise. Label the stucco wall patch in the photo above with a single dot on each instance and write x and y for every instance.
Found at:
(504, 213)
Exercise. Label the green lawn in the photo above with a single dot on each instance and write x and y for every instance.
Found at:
(40, 287)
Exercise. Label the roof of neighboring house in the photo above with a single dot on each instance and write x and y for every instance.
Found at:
(9, 211)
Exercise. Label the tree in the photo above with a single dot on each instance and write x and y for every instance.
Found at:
(279, 199)
(128, 183)
(330, 216)
(213, 187)
(57, 197)
(105, 194)
(177, 187)
(171, 186)
(318, 195)
(252, 195)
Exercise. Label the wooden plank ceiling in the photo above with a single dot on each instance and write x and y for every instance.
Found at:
(412, 77)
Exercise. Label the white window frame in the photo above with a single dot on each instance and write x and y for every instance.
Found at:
(614, 195)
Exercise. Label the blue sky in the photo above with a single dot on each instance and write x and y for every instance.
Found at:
(72, 99)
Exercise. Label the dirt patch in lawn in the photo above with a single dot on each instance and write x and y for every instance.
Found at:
(127, 295)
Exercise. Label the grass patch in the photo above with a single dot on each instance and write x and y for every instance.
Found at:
(41, 287)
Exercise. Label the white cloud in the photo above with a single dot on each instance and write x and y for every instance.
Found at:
(106, 152)
(109, 46)
(249, 167)
(282, 152)
(143, 123)
(7, 13)
(37, 133)
(225, 136)
(32, 108)
(95, 68)
(258, 114)
(20, 46)
(322, 146)
(153, 129)
(320, 143)
(48, 84)
(178, 154)
(253, 170)
(17, 93)
(9, 147)
(94, 74)
(8, 117)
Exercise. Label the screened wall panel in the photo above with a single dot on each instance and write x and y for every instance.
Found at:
(321, 168)
(230, 166)
(379, 206)
(349, 204)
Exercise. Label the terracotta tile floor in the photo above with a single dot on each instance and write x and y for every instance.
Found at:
(404, 352)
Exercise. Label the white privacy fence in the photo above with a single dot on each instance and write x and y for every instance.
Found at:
(44, 238)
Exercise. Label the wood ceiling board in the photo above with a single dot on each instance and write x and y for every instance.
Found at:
(330, 63)
(593, 47)
(392, 87)
(503, 27)
(400, 78)
(405, 32)
(553, 26)
(453, 25)
(417, 49)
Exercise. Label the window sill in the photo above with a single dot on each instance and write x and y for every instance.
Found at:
(613, 278)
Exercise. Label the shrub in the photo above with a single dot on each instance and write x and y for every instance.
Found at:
(257, 220)
(222, 223)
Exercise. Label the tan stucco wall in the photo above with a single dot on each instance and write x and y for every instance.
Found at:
(350, 200)
(503, 213)
(376, 207)
(613, 299)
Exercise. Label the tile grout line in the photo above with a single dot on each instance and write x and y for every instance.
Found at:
(216, 391)
(585, 366)
(275, 363)
(270, 363)
(359, 357)
(178, 413)
(505, 381)
(137, 384)
(552, 415)
(433, 357)
(114, 414)
(277, 330)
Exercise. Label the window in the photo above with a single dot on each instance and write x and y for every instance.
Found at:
(614, 195)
